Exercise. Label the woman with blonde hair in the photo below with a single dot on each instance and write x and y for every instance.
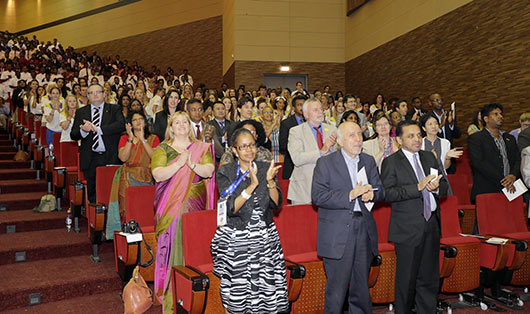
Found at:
(66, 119)
(183, 169)
(187, 92)
(52, 111)
(139, 94)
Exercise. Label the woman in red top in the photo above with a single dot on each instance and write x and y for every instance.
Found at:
(135, 150)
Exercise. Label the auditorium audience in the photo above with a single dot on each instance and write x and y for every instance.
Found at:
(247, 251)
(181, 165)
(267, 126)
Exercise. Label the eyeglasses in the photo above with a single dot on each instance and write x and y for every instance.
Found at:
(246, 147)
(437, 100)
(96, 92)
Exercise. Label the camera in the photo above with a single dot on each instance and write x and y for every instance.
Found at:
(130, 227)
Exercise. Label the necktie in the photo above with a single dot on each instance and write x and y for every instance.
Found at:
(424, 192)
(95, 120)
(222, 124)
(320, 142)
(198, 133)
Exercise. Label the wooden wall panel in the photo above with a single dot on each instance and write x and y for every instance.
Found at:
(196, 46)
(474, 55)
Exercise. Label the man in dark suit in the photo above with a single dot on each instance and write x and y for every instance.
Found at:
(286, 125)
(347, 233)
(221, 125)
(415, 219)
(416, 112)
(493, 154)
(99, 127)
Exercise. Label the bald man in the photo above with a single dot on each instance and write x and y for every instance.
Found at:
(347, 233)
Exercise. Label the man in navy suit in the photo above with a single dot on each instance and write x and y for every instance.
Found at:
(347, 233)
(285, 126)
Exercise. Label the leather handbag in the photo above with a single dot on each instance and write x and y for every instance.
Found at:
(137, 297)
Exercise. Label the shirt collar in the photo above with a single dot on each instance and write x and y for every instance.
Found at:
(500, 133)
(408, 154)
(348, 159)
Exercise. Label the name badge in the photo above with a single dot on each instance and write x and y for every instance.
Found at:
(221, 213)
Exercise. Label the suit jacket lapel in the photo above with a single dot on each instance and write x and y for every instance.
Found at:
(342, 168)
(106, 114)
(308, 134)
(426, 168)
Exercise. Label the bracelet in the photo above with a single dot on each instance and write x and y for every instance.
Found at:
(245, 195)
(194, 165)
(271, 186)
(129, 141)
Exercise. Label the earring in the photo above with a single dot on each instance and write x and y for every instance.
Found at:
(237, 155)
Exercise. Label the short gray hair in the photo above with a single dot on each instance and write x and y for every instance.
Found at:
(305, 107)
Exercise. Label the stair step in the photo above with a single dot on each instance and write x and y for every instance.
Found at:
(6, 142)
(18, 201)
(9, 164)
(58, 279)
(7, 155)
(48, 244)
(28, 220)
(109, 302)
(8, 148)
(18, 174)
(18, 186)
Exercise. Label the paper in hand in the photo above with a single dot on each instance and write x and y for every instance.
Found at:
(361, 177)
(434, 172)
(453, 110)
(520, 189)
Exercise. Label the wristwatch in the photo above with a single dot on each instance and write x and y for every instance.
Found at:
(129, 140)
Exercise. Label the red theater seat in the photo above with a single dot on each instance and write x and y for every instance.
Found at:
(461, 189)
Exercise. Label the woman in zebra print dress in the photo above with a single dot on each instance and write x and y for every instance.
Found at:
(247, 253)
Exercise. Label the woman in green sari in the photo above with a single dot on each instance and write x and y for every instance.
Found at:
(182, 168)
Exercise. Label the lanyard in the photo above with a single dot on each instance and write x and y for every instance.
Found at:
(234, 184)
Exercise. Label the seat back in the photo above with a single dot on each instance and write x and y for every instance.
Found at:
(463, 166)
(449, 216)
(80, 174)
(104, 176)
(140, 200)
(56, 141)
(31, 125)
(381, 213)
(497, 215)
(284, 187)
(68, 154)
(297, 227)
(460, 187)
(38, 124)
(42, 137)
(198, 229)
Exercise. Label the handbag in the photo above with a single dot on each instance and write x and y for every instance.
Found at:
(137, 297)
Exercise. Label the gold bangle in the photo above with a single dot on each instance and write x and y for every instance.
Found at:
(271, 186)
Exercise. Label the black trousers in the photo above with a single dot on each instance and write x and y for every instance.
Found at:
(351, 271)
(418, 272)
(97, 160)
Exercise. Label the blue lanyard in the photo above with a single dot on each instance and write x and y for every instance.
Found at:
(234, 184)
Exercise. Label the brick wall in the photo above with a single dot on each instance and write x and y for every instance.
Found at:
(319, 74)
(196, 46)
(474, 55)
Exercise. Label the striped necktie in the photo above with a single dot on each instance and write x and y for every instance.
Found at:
(426, 194)
(96, 121)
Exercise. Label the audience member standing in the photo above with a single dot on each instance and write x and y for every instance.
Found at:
(493, 154)
(307, 142)
(247, 252)
(524, 120)
(181, 166)
(221, 125)
(415, 220)
(169, 107)
(99, 127)
(347, 233)
(285, 126)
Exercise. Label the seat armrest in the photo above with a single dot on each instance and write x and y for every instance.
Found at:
(521, 248)
(374, 270)
(190, 287)
(296, 277)
(502, 250)
(448, 264)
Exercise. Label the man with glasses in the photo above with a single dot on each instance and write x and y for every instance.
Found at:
(448, 128)
(99, 127)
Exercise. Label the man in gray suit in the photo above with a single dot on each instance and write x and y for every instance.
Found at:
(347, 233)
